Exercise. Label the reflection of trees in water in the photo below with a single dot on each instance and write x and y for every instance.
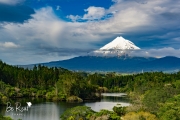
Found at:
(2, 110)
(115, 99)
(65, 105)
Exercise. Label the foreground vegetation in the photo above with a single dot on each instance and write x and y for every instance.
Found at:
(153, 94)
(118, 113)
(5, 118)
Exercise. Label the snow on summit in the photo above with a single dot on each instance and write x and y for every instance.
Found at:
(118, 47)
(120, 43)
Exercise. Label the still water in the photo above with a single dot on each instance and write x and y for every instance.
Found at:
(44, 110)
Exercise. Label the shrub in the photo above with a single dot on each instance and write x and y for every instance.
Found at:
(3, 99)
(120, 110)
(171, 109)
(5, 118)
(74, 99)
(50, 95)
(105, 115)
(139, 116)
(76, 113)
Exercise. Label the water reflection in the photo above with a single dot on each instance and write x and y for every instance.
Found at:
(114, 94)
(108, 101)
(43, 110)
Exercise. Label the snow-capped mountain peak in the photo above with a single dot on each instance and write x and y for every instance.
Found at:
(118, 47)
(120, 43)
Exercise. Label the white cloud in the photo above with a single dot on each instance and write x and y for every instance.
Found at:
(162, 52)
(9, 45)
(94, 13)
(124, 17)
(74, 18)
(11, 2)
(44, 29)
(157, 53)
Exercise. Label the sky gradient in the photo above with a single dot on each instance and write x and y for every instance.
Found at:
(36, 31)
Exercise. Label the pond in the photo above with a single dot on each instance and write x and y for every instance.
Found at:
(45, 110)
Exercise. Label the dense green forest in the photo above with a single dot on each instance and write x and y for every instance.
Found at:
(154, 95)
(41, 81)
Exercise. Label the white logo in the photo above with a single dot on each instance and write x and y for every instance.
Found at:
(18, 107)
(29, 104)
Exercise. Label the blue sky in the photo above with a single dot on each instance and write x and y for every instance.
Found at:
(35, 31)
